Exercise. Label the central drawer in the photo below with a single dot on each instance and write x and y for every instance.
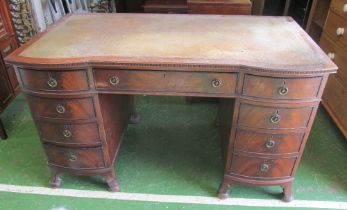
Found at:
(86, 158)
(158, 81)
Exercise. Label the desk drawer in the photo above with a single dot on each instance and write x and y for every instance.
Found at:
(267, 117)
(81, 134)
(157, 81)
(336, 28)
(7, 46)
(268, 143)
(338, 56)
(87, 158)
(262, 167)
(281, 88)
(54, 80)
(340, 7)
(81, 108)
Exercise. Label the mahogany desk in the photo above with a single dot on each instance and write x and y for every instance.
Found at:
(80, 75)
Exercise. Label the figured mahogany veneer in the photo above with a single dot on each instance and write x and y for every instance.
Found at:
(159, 81)
(77, 108)
(54, 80)
(267, 142)
(262, 168)
(267, 73)
(86, 134)
(274, 117)
(275, 88)
(84, 158)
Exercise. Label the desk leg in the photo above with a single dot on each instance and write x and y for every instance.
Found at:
(287, 192)
(3, 134)
(55, 181)
(223, 192)
(134, 116)
(112, 181)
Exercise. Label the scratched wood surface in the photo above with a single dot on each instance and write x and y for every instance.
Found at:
(263, 42)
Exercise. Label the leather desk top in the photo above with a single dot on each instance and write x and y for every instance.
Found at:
(272, 43)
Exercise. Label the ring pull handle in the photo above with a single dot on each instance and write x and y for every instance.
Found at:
(264, 167)
(73, 158)
(60, 109)
(270, 144)
(67, 133)
(113, 80)
(216, 83)
(340, 31)
(283, 90)
(276, 118)
(52, 82)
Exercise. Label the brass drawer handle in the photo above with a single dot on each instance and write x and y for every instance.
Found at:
(113, 80)
(73, 158)
(264, 167)
(60, 109)
(283, 90)
(52, 82)
(276, 118)
(67, 133)
(216, 83)
(270, 144)
(344, 8)
(340, 31)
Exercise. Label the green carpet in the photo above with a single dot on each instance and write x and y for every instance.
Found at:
(175, 150)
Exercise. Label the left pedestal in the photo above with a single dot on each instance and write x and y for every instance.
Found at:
(80, 130)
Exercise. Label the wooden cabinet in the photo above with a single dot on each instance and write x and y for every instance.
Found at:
(334, 43)
(318, 14)
(222, 7)
(9, 86)
(165, 6)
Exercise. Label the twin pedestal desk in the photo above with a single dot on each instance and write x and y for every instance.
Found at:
(79, 77)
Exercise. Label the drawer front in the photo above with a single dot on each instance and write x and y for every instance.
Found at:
(54, 80)
(274, 117)
(8, 46)
(262, 167)
(338, 56)
(186, 82)
(77, 134)
(340, 7)
(91, 158)
(81, 108)
(268, 143)
(336, 27)
(281, 88)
